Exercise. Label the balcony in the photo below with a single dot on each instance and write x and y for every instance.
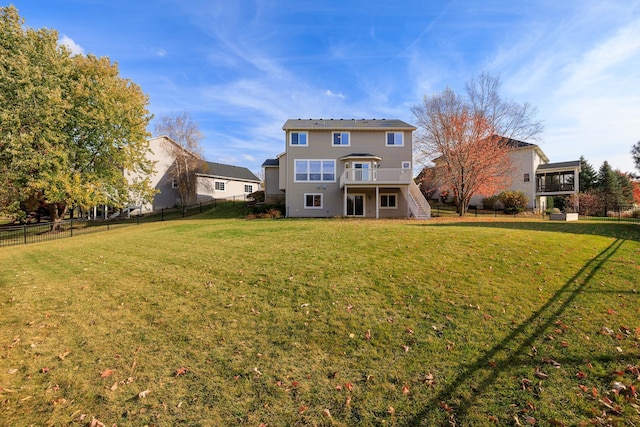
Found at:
(555, 188)
(381, 176)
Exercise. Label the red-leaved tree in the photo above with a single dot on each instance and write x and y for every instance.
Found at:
(467, 138)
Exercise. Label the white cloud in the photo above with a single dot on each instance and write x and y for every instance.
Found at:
(331, 94)
(75, 48)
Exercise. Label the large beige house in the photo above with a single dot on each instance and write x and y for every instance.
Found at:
(345, 167)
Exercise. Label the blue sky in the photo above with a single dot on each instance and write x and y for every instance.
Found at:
(241, 68)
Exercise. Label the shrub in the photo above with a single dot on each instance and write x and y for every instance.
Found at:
(513, 201)
(490, 202)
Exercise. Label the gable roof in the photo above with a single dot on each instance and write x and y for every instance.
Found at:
(271, 162)
(347, 124)
(220, 170)
(515, 144)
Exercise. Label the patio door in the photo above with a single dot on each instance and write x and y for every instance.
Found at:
(355, 204)
(362, 171)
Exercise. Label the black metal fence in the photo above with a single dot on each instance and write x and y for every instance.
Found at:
(33, 233)
(620, 214)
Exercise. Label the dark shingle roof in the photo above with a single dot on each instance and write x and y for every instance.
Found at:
(346, 124)
(560, 165)
(229, 171)
(271, 162)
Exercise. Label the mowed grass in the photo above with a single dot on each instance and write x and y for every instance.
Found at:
(209, 321)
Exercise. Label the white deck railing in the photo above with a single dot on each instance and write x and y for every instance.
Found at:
(375, 176)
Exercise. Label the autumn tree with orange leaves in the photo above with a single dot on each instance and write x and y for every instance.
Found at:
(467, 138)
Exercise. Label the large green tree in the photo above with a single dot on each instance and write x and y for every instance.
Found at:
(72, 131)
(609, 187)
(588, 177)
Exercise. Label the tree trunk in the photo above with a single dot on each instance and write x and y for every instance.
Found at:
(57, 216)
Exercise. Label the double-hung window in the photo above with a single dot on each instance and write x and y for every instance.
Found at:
(219, 186)
(248, 188)
(341, 138)
(315, 170)
(395, 139)
(298, 138)
(313, 200)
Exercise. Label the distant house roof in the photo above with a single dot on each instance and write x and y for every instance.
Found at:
(220, 170)
(346, 124)
(516, 144)
(271, 162)
(560, 165)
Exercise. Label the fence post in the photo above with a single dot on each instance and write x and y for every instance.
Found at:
(162, 214)
(71, 226)
(200, 207)
(24, 233)
(183, 211)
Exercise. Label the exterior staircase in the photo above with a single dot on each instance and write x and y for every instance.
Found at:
(418, 205)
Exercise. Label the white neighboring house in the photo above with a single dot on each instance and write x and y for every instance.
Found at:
(536, 177)
(217, 181)
(220, 181)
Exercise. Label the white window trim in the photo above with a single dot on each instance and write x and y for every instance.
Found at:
(314, 194)
(250, 187)
(341, 132)
(221, 184)
(395, 196)
(298, 145)
(174, 183)
(295, 172)
(386, 139)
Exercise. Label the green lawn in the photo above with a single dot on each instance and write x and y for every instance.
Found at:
(209, 321)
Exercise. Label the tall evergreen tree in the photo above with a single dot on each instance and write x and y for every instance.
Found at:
(588, 177)
(609, 187)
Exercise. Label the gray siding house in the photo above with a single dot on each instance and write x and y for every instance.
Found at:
(346, 167)
(215, 181)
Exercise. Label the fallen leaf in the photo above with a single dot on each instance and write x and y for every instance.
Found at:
(61, 356)
(581, 375)
(367, 335)
(347, 401)
(107, 373)
(541, 374)
(181, 371)
(44, 370)
(446, 407)
(348, 386)
(302, 409)
(530, 420)
(143, 394)
(96, 423)
(326, 413)
(405, 389)
(391, 410)
(551, 362)
(405, 348)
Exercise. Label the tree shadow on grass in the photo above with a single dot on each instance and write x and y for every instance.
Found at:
(514, 348)
(617, 230)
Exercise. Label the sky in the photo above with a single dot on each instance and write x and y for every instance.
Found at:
(241, 68)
